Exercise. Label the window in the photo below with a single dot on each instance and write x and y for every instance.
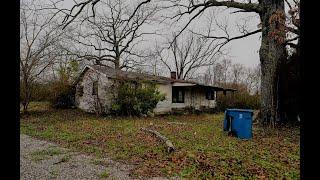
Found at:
(95, 88)
(80, 90)
(210, 94)
(177, 95)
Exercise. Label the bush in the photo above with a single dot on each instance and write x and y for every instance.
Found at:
(135, 98)
(241, 100)
(39, 92)
(61, 94)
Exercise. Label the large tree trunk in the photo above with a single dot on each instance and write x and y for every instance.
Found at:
(271, 53)
(117, 64)
(290, 89)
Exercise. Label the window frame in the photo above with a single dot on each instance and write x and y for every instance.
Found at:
(210, 94)
(80, 90)
(95, 88)
(175, 94)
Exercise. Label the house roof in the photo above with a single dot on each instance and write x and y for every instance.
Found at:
(117, 74)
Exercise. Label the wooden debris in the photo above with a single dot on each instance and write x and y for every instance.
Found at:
(170, 147)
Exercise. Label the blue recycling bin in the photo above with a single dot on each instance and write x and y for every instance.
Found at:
(239, 122)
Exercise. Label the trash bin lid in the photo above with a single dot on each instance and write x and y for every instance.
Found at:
(241, 110)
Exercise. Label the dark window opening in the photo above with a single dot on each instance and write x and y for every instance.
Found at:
(80, 90)
(95, 88)
(210, 94)
(177, 95)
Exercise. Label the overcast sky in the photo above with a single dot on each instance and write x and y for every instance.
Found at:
(244, 51)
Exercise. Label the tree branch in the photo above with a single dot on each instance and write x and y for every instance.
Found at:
(81, 5)
(292, 45)
(289, 40)
(234, 38)
(249, 7)
(293, 30)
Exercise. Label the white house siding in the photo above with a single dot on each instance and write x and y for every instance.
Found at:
(87, 101)
(200, 100)
(165, 105)
(195, 98)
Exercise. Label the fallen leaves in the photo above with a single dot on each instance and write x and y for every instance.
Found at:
(200, 153)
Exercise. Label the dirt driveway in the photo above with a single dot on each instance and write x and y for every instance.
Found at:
(43, 160)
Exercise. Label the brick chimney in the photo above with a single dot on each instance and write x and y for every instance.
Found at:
(173, 75)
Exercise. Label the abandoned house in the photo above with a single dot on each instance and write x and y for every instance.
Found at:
(96, 82)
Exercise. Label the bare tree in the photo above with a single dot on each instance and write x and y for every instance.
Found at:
(153, 65)
(114, 33)
(220, 72)
(252, 79)
(39, 35)
(208, 77)
(293, 23)
(238, 71)
(226, 65)
(273, 41)
(186, 55)
(225, 73)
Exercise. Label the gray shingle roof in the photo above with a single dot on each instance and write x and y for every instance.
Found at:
(113, 73)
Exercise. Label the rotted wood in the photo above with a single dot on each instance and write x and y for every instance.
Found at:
(170, 147)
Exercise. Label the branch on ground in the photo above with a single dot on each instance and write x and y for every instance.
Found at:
(170, 147)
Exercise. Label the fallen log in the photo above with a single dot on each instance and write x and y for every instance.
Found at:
(170, 147)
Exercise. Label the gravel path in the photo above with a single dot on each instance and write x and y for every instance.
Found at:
(43, 160)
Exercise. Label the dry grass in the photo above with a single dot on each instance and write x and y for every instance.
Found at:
(203, 149)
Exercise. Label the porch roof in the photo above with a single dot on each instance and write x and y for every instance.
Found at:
(189, 84)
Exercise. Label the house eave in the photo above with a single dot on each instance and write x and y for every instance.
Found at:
(186, 84)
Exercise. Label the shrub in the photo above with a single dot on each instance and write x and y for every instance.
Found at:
(135, 98)
(241, 100)
(61, 93)
(41, 92)
(36, 92)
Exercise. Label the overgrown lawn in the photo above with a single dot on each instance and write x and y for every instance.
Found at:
(203, 149)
